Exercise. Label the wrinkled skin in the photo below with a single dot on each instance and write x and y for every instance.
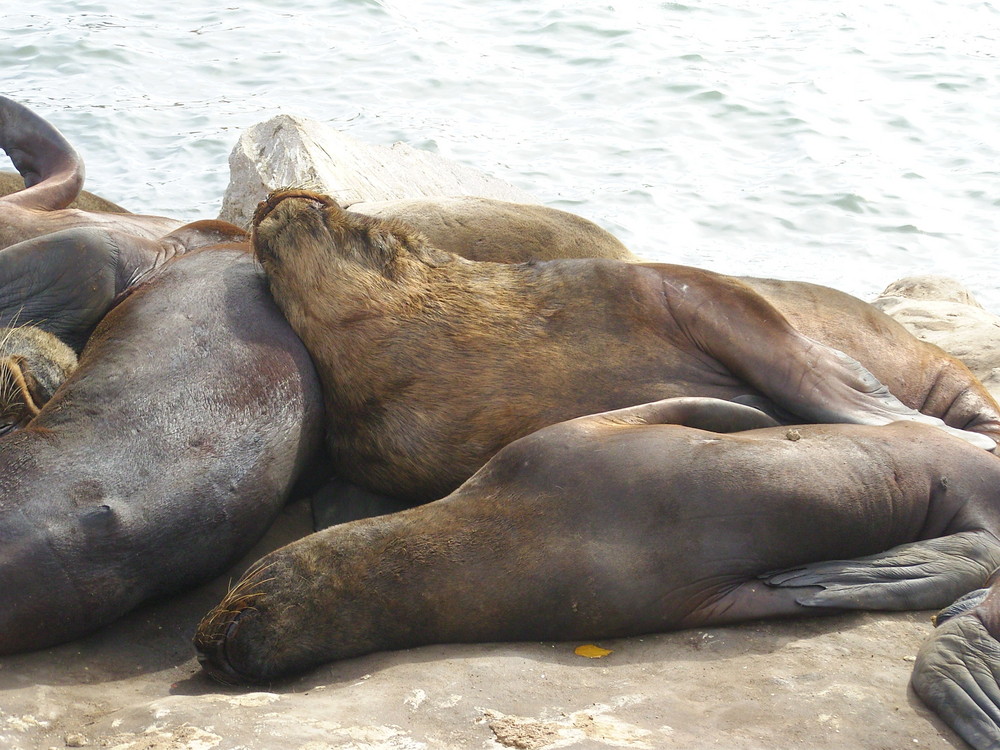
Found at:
(625, 523)
(957, 672)
(431, 363)
(163, 458)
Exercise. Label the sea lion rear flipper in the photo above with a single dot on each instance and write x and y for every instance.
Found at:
(814, 381)
(957, 671)
(53, 172)
(919, 575)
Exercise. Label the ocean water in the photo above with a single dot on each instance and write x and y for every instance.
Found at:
(847, 144)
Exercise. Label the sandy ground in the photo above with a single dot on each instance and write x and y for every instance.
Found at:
(839, 682)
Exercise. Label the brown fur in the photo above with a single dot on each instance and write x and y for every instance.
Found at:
(431, 363)
(33, 364)
(499, 231)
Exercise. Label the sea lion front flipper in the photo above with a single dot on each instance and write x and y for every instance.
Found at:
(53, 172)
(957, 671)
(920, 575)
(62, 282)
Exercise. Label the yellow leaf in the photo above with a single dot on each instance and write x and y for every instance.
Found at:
(591, 652)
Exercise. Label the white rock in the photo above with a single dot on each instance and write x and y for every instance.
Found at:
(288, 151)
(941, 311)
(940, 288)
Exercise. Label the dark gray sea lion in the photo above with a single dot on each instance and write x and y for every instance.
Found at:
(431, 363)
(163, 457)
(621, 524)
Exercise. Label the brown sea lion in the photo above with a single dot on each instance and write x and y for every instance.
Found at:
(431, 363)
(12, 182)
(33, 364)
(53, 173)
(500, 231)
(162, 458)
(624, 523)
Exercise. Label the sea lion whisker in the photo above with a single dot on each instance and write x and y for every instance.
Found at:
(236, 600)
(249, 580)
(246, 579)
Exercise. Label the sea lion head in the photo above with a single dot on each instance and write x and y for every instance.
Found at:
(33, 364)
(217, 641)
(264, 627)
(309, 233)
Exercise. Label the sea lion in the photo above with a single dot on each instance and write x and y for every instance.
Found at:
(60, 268)
(625, 523)
(33, 364)
(162, 458)
(12, 182)
(431, 363)
(500, 231)
(957, 671)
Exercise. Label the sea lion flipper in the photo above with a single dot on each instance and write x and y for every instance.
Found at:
(62, 282)
(961, 606)
(53, 172)
(812, 380)
(919, 575)
(957, 672)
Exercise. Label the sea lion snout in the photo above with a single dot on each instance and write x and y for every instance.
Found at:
(210, 647)
(290, 219)
(266, 206)
(223, 646)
